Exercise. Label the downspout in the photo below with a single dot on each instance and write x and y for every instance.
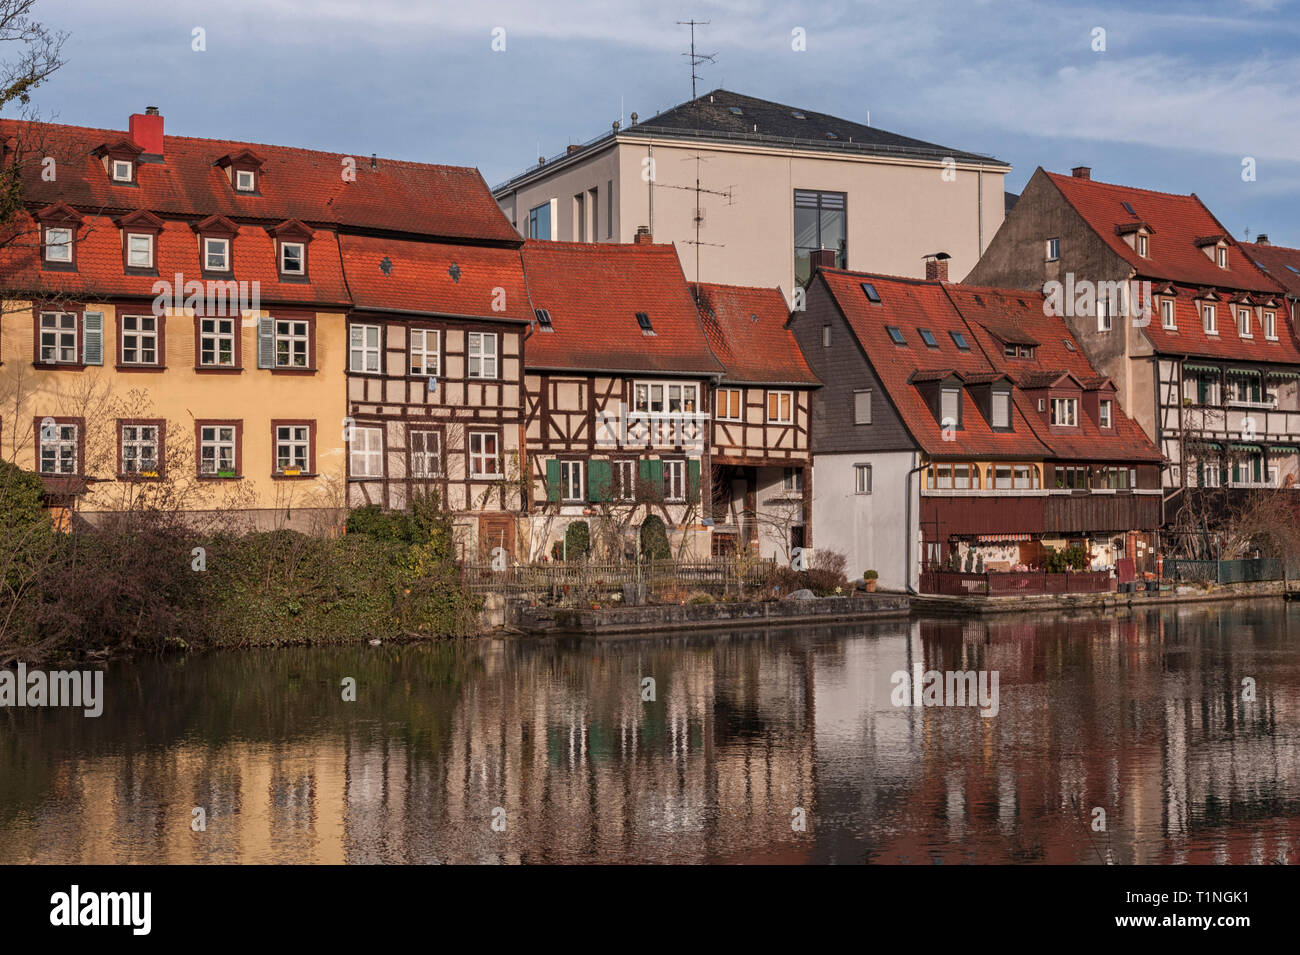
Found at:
(979, 210)
(650, 187)
(907, 533)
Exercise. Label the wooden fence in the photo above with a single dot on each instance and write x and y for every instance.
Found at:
(992, 584)
(564, 577)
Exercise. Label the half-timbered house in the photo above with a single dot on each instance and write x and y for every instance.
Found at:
(617, 388)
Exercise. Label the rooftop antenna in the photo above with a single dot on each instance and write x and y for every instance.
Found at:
(697, 218)
(696, 58)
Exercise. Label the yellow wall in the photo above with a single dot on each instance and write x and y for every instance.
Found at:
(181, 395)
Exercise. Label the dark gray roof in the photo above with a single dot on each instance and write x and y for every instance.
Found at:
(725, 116)
(1009, 200)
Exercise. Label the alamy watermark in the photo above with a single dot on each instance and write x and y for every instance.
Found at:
(209, 297)
(1106, 301)
(946, 688)
(76, 688)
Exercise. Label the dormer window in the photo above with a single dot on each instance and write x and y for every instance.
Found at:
(1210, 319)
(1243, 323)
(216, 255)
(123, 171)
(291, 240)
(1167, 319)
(1142, 244)
(140, 231)
(293, 258)
(1001, 418)
(243, 169)
(1065, 412)
(950, 408)
(139, 250)
(1104, 414)
(58, 245)
(1270, 326)
(245, 180)
(1221, 257)
(216, 244)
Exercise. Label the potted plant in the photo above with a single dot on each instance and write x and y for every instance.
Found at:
(226, 472)
(869, 578)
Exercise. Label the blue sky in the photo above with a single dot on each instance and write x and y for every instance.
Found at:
(1182, 93)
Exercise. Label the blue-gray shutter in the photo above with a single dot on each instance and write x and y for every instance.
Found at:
(266, 343)
(92, 338)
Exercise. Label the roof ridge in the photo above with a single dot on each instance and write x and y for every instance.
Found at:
(1116, 185)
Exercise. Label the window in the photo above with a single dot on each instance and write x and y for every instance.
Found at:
(139, 250)
(820, 222)
(123, 170)
(826, 336)
(140, 340)
(862, 407)
(1167, 314)
(1010, 351)
(539, 222)
(862, 479)
(1243, 323)
(217, 342)
(293, 448)
(792, 480)
(1072, 478)
(366, 453)
(245, 180)
(1211, 475)
(1021, 477)
(293, 258)
(681, 398)
(870, 292)
(648, 397)
(1104, 413)
(950, 408)
(780, 407)
(1069, 345)
(1001, 475)
(60, 447)
(218, 445)
(1002, 409)
(216, 255)
(484, 454)
(423, 351)
(1065, 412)
(571, 473)
(643, 320)
(1053, 249)
(895, 335)
(959, 340)
(1221, 256)
(1210, 319)
(363, 348)
(1142, 245)
(675, 480)
(1270, 325)
(624, 477)
(59, 339)
(543, 317)
(927, 336)
(729, 404)
(482, 354)
(292, 343)
(1103, 315)
(426, 454)
(141, 447)
(58, 245)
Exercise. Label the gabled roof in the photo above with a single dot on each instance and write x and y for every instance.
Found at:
(747, 331)
(1179, 222)
(1191, 338)
(1283, 264)
(593, 293)
(450, 202)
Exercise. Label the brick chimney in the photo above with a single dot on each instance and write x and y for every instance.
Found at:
(936, 267)
(1261, 239)
(147, 130)
(573, 148)
(643, 236)
(821, 259)
(1081, 172)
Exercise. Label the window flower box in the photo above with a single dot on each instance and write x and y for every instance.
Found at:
(291, 472)
(226, 473)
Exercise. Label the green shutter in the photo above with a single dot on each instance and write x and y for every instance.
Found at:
(657, 478)
(600, 480)
(643, 470)
(553, 480)
(92, 338)
(693, 479)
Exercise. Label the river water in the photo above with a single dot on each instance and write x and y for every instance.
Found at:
(1171, 735)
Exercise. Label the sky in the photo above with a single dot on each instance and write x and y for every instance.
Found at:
(1187, 96)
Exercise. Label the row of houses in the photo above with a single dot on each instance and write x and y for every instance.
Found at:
(281, 334)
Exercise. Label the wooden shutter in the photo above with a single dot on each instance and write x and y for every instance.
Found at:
(657, 477)
(600, 480)
(92, 338)
(265, 342)
(553, 480)
(692, 479)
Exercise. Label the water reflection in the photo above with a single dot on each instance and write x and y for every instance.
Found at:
(1141, 716)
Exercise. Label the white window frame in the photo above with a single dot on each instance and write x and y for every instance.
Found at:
(429, 357)
(1221, 257)
(1053, 250)
(359, 347)
(131, 252)
(624, 475)
(1105, 413)
(297, 335)
(58, 244)
(792, 480)
(479, 454)
(211, 436)
(1243, 323)
(301, 248)
(64, 324)
(738, 404)
(425, 462)
(1168, 314)
(298, 439)
(135, 459)
(1005, 423)
(1210, 319)
(213, 244)
(862, 479)
(657, 397)
(674, 480)
(141, 339)
(862, 406)
(240, 180)
(953, 394)
(223, 329)
(65, 447)
(1270, 326)
(481, 361)
(1142, 247)
(572, 481)
(1062, 405)
(366, 452)
(1103, 314)
(117, 165)
(788, 417)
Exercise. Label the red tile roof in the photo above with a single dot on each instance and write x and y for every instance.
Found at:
(450, 202)
(747, 331)
(593, 292)
(1282, 264)
(1176, 223)
(400, 275)
(1190, 337)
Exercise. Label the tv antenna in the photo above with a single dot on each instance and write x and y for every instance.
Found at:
(697, 216)
(696, 58)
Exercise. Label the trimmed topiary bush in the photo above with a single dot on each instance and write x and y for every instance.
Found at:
(654, 539)
(577, 540)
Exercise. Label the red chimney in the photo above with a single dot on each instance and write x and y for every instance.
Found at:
(1081, 172)
(147, 130)
(643, 236)
(821, 259)
(936, 267)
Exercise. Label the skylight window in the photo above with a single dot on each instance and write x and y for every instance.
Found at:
(1294, 269)
(832, 135)
(1128, 207)
(896, 335)
(927, 336)
(544, 319)
(736, 111)
(643, 320)
(1069, 345)
(959, 340)
(871, 293)
(797, 115)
